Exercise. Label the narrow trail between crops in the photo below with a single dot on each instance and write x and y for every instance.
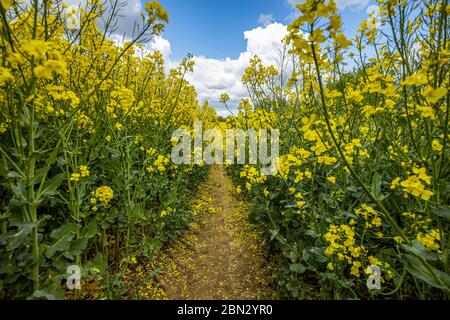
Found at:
(221, 256)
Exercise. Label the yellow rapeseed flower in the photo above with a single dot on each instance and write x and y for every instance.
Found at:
(430, 239)
(5, 76)
(104, 194)
(75, 177)
(332, 180)
(49, 68)
(434, 95)
(84, 171)
(437, 146)
(119, 126)
(427, 112)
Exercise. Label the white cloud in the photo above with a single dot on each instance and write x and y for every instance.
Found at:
(128, 14)
(212, 77)
(358, 4)
(265, 19)
(160, 44)
(293, 3)
(266, 42)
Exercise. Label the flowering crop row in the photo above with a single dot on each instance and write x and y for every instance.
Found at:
(85, 128)
(364, 175)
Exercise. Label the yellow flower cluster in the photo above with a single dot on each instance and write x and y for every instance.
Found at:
(434, 95)
(151, 152)
(286, 162)
(414, 185)
(161, 163)
(354, 148)
(84, 172)
(341, 245)
(122, 99)
(5, 76)
(327, 160)
(430, 239)
(104, 194)
(370, 215)
(252, 175)
(49, 68)
(331, 179)
(427, 112)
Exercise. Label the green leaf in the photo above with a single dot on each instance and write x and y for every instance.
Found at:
(52, 158)
(90, 230)
(318, 254)
(21, 141)
(376, 185)
(19, 192)
(78, 247)
(417, 269)
(273, 234)
(419, 250)
(312, 233)
(64, 229)
(297, 267)
(39, 174)
(306, 255)
(151, 246)
(14, 240)
(63, 237)
(442, 212)
(273, 195)
(51, 186)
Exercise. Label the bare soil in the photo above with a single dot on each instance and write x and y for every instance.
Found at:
(221, 257)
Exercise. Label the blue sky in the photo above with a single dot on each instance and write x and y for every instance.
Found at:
(214, 28)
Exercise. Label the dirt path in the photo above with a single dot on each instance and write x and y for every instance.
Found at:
(221, 256)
